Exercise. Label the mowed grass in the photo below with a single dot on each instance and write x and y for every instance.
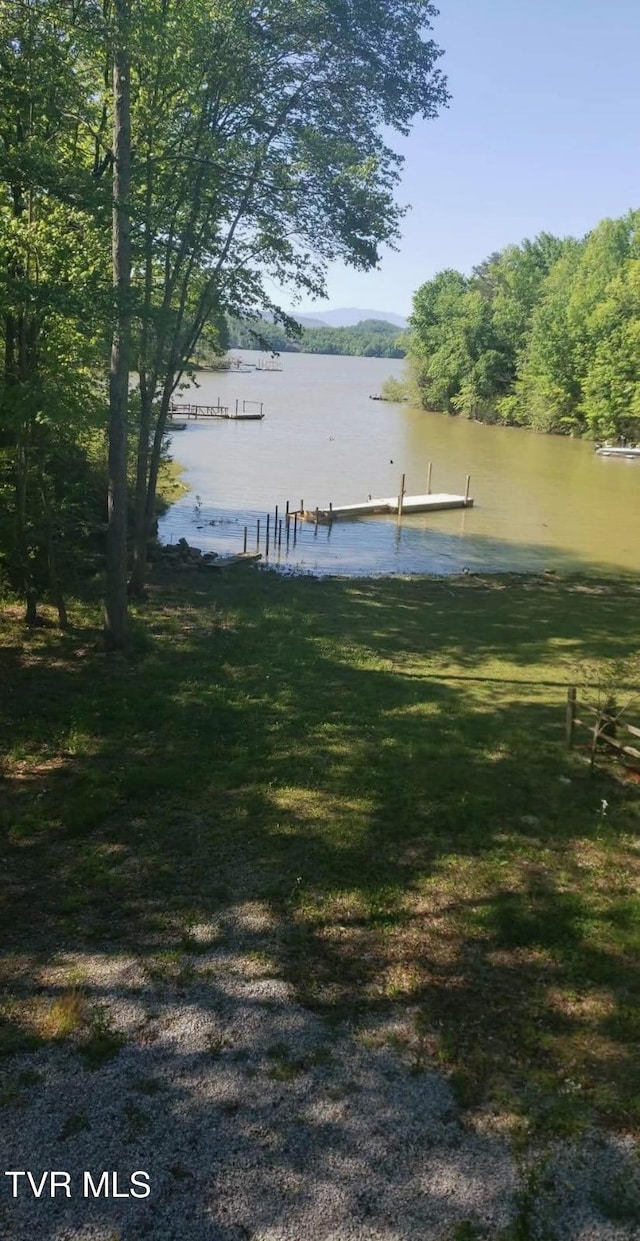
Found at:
(380, 764)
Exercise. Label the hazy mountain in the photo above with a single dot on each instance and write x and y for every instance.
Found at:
(308, 320)
(347, 317)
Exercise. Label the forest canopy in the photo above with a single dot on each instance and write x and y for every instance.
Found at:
(544, 334)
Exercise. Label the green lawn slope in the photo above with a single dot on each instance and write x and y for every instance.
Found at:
(382, 764)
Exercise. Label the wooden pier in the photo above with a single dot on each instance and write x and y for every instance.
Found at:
(402, 504)
(246, 414)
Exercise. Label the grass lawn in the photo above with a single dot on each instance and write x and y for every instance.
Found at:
(382, 764)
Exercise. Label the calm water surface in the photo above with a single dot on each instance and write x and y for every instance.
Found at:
(540, 501)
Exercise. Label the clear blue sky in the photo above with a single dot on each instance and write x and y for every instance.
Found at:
(542, 133)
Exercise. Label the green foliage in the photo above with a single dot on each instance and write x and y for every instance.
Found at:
(53, 308)
(393, 389)
(544, 334)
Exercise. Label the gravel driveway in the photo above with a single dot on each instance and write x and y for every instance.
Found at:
(253, 1120)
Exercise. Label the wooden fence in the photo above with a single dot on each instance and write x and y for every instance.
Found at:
(606, 727)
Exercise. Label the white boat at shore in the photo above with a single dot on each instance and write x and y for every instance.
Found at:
(628, 452)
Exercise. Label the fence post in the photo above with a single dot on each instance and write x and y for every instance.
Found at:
(571, 715)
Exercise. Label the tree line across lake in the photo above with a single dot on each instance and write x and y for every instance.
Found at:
(545, 334)
(370, 338)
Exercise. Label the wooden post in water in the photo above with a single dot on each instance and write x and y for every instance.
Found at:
(280, 534)
(275, 523)
(267, 534)
(258, 533)
(330, 511)
(236, 407)
(429, 478)
(401, 496)
(245, 540)
(286, 515)
(571, 715)
(466, 490)
(301, 509)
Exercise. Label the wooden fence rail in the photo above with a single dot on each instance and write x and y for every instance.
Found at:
(605, 727)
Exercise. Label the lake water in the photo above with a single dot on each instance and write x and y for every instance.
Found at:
(541, 502)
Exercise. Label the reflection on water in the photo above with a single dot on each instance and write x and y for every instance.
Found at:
(540, 501)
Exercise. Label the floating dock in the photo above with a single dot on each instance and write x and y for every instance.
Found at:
(428, 502)
(369, 508)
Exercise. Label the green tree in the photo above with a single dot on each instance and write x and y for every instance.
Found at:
(120, 360)
(260, 155)
(611, 387)
(51, 291)
(548, 383)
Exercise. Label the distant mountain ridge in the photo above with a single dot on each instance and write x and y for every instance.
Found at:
(348, 316)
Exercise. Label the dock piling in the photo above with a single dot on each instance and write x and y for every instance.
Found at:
(267, 533)
(245, 540)
(430, 468)
(466, 490)
(401, 495)
(258, 533)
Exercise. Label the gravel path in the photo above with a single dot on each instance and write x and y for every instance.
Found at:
(255, 1122)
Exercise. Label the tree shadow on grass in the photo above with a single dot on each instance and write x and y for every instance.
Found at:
(271, 746)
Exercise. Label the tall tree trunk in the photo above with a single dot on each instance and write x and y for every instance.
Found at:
(22, 538)
(156, 453)
(140, 530)
(55, 583)
(148, 381)
(116, 593)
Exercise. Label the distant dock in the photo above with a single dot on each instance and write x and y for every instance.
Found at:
(251, 412)
(428, 502)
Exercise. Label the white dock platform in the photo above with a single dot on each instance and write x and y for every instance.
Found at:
(433, 502)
